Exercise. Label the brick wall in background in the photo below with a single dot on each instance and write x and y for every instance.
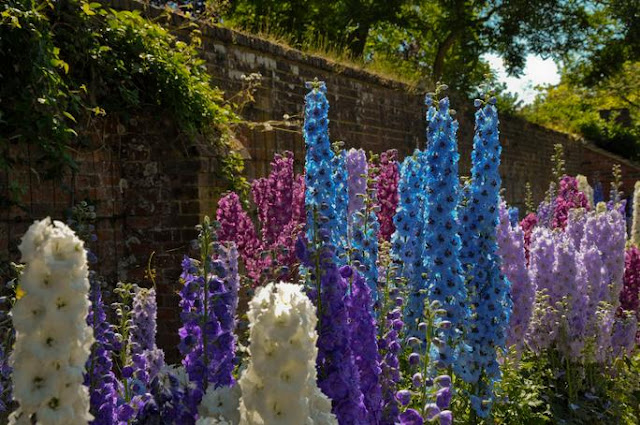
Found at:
(150, 190)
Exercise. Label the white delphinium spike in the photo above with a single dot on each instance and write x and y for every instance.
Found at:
(53, 340)
(279, 385)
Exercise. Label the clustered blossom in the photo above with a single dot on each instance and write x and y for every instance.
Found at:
(99, 379)
(365, 351)
(363, 242)
(340, 207)
(442, 244)
(236, 226)
(279, 384)
(490, 304)
(527, 224)
(148, 358)
(338, 375)
(510, 239)
(53, 340)
(357, 171)
(388, 177)
(635, 221)
(630, 294)
(212, 362)
(407, 242)
(569, 197)
(320, 187)
(279, 200)
(390, 326)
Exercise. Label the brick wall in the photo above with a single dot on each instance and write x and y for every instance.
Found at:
(151, 188)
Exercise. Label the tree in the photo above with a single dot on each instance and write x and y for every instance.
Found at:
(438, 39)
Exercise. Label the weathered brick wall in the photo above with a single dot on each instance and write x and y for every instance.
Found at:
(151, 188)
(146, 183)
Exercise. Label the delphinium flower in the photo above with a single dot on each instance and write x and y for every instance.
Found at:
(543, 328)
(429, 396)
(363, 334)
(510, 240)
(606, 229)
(634, 238)
(338, 375)
(53, 340)
(99, 378)
(236, 226)
(208, 302)
(630, 294)
(170, 401)
(320, 188)
(441, 255)
(544, 213)
(388, 177)
(514, 216)
(142, 333)
(363, 240)
(488, 288)
(623, 336)
(389, 326)
(527, 224)
(575, 226)
(571, 293)
(407, 242)
(339, 232)
(598, 193)
(279, 383)
(585, 187)
(569, 197)
(357, 170)
(273, 197)
(279, 199)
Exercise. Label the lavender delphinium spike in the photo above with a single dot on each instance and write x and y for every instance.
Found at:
(357, 169)
(510, 240)
(142, 333)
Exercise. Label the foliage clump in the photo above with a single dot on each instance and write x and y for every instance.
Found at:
(74, 61)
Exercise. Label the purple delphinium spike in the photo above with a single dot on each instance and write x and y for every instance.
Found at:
(213, 363)
(338, 375)
(364, 345)
(99, 378)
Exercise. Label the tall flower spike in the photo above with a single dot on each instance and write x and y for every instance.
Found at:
(276, 388)
(320, 187)
(514, 266)
(387, 187)
(363, 337)
(99, 378)
(142, 336)
(407, 242)
(442, 243)
(488, 288)
(339, 232)
(209, 298)
(357, 170)
(338, 375)
(53, 340)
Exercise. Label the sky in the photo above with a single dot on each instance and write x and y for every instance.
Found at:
(537, 71)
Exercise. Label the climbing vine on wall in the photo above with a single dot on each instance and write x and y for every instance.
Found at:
(73, 61)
